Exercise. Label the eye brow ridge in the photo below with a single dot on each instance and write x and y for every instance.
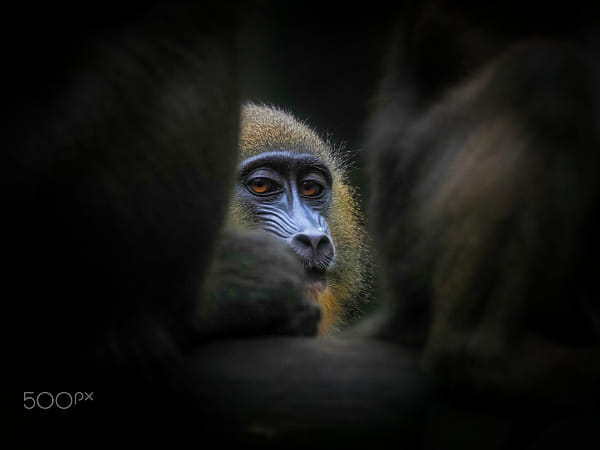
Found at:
(274, 159)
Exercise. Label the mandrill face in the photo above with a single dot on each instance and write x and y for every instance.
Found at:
(289, 195)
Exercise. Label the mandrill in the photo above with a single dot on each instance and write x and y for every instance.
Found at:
(293, 184)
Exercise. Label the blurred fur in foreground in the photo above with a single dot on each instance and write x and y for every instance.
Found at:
(486, 210)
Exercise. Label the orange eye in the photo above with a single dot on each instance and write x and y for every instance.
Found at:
(311, 188)
(260, 185)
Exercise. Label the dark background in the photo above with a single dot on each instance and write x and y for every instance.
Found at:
(323, 61)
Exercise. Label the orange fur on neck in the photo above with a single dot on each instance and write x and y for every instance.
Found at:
(330, 309)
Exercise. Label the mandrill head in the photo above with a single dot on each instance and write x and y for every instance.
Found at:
(292, 184)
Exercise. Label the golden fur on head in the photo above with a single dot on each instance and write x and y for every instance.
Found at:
(266, 128)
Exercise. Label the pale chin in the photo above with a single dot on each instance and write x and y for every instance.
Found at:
(315, 288)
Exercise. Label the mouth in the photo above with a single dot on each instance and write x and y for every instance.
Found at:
(317, 279)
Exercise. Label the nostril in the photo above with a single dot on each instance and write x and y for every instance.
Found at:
(314, 242)
(315, 250)
(317, 244)
(303, 239)
(323, 243)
